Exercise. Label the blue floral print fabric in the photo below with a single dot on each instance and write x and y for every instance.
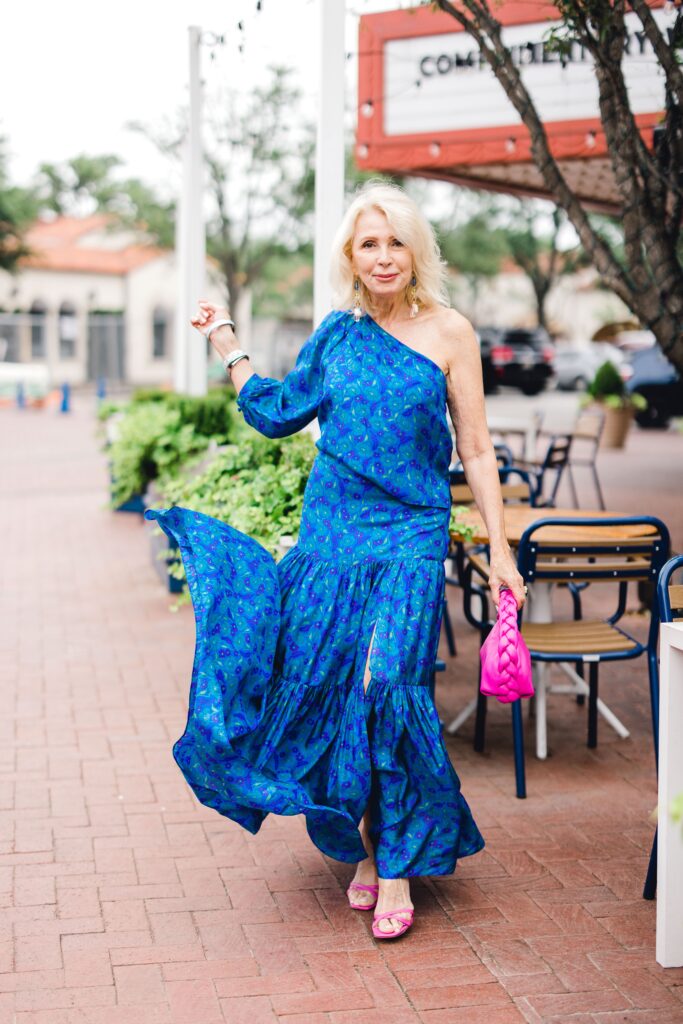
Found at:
(279, 719)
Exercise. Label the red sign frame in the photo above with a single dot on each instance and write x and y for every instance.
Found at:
(433, 154)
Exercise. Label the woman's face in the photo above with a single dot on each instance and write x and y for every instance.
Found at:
(380, 259)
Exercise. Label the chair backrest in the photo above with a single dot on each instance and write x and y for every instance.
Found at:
(554, 461)
(620, 549)
(557, 452)
(504, 456)
(589, 426)
(515, 484)
(670, 595)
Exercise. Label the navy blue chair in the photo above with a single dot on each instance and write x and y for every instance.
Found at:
(670, 608)
(552, 466)
(589, 554)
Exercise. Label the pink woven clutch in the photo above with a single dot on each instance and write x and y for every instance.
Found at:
(505, 659)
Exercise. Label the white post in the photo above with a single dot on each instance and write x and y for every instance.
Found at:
(182, 311)
(329, 158)
(190, 362)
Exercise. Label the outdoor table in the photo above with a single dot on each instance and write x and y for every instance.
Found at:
(517, 519)
(669, 948)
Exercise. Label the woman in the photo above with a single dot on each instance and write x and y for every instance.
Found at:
(310, 690)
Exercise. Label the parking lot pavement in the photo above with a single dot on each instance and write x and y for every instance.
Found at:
(126, 901)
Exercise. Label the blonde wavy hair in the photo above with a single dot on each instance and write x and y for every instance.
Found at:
(410, 225)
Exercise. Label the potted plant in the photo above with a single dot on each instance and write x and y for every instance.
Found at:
(607, 390)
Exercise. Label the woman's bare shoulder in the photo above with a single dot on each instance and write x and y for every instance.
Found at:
(454, 328)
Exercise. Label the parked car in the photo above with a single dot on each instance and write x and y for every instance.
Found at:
(660, 384)
(517, 357)
(575, 365)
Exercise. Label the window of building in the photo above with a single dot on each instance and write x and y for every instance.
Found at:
(159, 333)
(38, 346)
(68, 330)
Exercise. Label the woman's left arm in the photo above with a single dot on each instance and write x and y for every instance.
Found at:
(475, 449)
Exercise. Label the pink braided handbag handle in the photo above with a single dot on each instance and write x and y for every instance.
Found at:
(508, 660)
(505, 659)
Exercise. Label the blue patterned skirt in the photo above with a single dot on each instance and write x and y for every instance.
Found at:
(279, 719)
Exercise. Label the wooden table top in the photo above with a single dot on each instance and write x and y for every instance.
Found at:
(519, 517)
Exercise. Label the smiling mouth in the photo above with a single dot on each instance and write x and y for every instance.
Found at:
(385, 277)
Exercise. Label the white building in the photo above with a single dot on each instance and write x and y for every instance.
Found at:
(91, 301)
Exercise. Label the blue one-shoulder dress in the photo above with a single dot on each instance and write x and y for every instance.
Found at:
(279, 720)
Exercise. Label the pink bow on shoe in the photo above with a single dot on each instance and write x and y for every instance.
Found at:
(505, 659)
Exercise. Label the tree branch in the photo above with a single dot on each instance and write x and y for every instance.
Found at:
(666, 55)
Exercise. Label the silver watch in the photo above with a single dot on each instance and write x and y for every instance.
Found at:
(234, 357)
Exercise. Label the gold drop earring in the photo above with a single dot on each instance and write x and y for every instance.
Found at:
(414, 307)
(357, 308)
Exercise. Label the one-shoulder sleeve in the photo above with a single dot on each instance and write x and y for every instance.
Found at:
(277, 408)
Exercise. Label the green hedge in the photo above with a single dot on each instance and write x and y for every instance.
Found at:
(160, 431)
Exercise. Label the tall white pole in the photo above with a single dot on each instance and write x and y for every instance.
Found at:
(182, 314)
(190, 371)
(329, 157)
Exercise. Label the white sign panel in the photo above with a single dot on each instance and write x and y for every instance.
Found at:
(441, 83)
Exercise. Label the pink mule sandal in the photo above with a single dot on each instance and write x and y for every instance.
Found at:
(374, 889)
(405, 925)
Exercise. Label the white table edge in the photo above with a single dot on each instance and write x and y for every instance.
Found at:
(669, 946)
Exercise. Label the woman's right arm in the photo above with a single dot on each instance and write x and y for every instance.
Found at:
(273, 407)
(223, 340)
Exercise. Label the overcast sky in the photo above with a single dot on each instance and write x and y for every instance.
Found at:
(73, 75)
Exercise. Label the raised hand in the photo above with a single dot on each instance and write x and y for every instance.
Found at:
(208, 313)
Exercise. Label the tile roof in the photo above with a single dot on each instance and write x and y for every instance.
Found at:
(62, 244)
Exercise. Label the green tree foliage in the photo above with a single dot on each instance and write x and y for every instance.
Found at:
(85, 184)
(475, 249)
(18, 208)
(536, 251)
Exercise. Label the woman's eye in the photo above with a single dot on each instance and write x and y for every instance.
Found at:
(397, 242)
(366, 244)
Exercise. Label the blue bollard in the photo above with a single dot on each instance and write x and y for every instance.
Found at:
(21, 396)
(66, 398)
(101, 388)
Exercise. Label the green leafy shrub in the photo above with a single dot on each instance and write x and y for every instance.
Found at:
(152, 442)
(608, 387)
(107, 409)
(257, 486)
(159, 430)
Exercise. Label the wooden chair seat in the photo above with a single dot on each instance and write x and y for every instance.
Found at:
(582, 636)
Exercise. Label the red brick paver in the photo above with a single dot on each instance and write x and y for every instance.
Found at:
(126, 901)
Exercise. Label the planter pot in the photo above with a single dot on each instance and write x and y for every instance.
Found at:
(164, 552)
(136, 502)
(617, 425)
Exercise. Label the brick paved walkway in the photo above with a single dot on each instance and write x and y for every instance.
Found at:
(127, 902)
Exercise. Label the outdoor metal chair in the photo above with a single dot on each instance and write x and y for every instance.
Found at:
(589, 554)
(552, 465)
(587, 432)
(670, 606)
